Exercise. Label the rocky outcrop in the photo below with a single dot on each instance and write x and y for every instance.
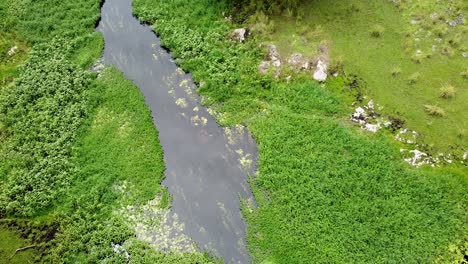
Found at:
(273, 60)
(264, 67)
(298, 61)
(274, 55)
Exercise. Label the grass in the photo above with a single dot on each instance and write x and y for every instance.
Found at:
(346, 27)
(325, 191)
(9, 243)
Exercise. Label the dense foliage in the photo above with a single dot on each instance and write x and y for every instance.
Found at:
(63, 153)
(40, 113)
(325, 192)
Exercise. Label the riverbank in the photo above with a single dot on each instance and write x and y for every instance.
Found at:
(78, 149)
(325, 190)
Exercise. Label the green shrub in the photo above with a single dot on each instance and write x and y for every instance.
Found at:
(434, 110)
(41, 113)
(395, 71)
(464, 74)
(447, 91)
(259, 23)
(377, 31)
(414, 78)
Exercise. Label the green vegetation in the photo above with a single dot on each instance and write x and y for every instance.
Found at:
(416, 37)
(71, 141)
(434, 110)
(447, 91)
(117, 148)
(78, 148)
(326, 193)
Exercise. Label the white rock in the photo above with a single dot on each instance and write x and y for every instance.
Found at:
(320, 73)
(239, 34)
(415, 22)
(372, 128)
(12, 50)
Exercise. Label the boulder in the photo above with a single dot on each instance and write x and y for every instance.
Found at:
(264, 67)
(12, 50)
(239, 34)
(297, 60)
(320, 73)
(274, 55)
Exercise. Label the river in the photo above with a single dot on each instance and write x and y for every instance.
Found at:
(206, 165)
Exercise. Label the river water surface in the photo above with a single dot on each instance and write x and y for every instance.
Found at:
(206, 165)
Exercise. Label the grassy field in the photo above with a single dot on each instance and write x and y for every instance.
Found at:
(327, 192)
(404, 68)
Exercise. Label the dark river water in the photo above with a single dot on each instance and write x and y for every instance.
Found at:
(206, 165)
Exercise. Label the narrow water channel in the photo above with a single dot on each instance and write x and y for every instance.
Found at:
(206, 165)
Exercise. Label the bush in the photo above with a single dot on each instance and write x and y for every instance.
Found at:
(414, 78)
(396, 71)
(447, 91)
(261, 24)
(434, 110)
(464, 74)
(377, 31)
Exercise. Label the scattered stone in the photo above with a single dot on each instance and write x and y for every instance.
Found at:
(119, 249)
(298, 61)
(98, 67)
(12, 51)
(407, 136)
(460, 20)
(415, 22)
(419, 158)
(274, 55)
(434, 16)
(239, 34)
(465, 54)
(264, 67)
(320, 73)
(452, 23)
(359, 116)
(372, 128)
